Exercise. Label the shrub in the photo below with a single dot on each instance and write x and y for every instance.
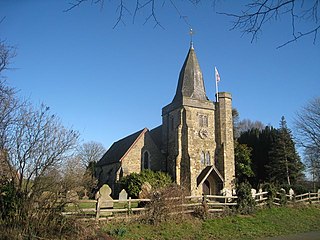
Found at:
(246, 204)
(133, 182)
(165, 203)
(272, 192)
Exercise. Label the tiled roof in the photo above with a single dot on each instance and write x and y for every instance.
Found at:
(119, 149)
(190, 82)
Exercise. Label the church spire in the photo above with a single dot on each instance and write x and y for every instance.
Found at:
(190, 82)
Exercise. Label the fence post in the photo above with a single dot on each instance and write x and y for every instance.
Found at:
(97, 210)
(129, 206)
(310, 201)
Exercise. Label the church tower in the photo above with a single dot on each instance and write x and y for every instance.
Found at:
(189, 133)
(194, 144)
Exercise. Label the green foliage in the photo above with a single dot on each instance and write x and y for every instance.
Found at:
(284, 162)
(10, 200)
(133, 182)
(246, 204)
(119, 232)
(243, 162)
(272, 192)
(274, 156)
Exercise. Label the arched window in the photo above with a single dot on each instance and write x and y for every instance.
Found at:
(202, 158)
(208, 161)
(145, 160)
(203, 120)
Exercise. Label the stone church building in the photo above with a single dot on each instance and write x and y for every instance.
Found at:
(194, 144)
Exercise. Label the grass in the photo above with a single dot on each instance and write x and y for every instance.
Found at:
(265, 223)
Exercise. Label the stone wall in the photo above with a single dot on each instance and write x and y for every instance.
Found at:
(225, 139)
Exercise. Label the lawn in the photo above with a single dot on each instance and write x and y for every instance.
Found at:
(264, 223)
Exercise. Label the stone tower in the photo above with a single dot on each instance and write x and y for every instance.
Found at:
(194, 144)
(192, 124)
(224, 138)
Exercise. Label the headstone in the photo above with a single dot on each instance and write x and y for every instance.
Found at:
(72, 196)
(291, 193)
(145, 191)
(123, 196)
(228, 193)
(103, 197)
(85, 197)
(253, 193)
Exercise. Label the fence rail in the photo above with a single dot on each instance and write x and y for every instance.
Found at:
(215, 203)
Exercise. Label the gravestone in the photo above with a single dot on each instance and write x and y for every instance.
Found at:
(228, 193)
(253, 193)
(72, 196)
(85, 197)
(103, 197)
(291, 193)
(145, 191)
(123, 196)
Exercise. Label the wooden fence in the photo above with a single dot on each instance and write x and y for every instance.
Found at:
(215, 203)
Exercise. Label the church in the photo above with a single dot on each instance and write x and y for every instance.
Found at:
(194, 144)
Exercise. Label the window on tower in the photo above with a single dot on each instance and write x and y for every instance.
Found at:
(208, 161)
(202, 158)
(203, 120)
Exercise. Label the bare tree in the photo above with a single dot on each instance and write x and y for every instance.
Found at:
(251, 19)
(37, 143)
(257, 13)
(90, 152)
(133, 8)
(7, 53)
(307, 126)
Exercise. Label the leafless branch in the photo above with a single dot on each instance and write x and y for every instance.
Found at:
(121, 8)
(258, 12)
(7, 53)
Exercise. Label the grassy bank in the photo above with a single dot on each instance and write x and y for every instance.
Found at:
(264, 223)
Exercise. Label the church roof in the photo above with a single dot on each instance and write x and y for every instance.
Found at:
(190, 82)
(120, 148)
(156, 135)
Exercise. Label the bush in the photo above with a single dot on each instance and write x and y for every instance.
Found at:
(246, 204)
(272, 192)
(133, 182)
(165, 203)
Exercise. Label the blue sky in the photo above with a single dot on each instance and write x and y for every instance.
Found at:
(108, 83)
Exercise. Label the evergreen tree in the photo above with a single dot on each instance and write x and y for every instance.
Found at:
(243, 162)
(260, 142)
(284, 164)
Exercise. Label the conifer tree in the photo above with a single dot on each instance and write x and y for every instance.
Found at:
(284, 165)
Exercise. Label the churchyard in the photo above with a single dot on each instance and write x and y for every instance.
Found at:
(106, 208)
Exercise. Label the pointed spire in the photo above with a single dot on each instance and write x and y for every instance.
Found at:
(190, 82)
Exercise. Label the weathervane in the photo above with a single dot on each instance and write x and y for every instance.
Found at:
(191, 33)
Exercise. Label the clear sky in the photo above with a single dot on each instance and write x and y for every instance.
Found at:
(108, 83)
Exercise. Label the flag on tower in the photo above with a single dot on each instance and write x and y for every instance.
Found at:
(217, 74)
(217, 80)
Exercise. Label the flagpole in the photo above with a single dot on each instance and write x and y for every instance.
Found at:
(216, 76)
(217, 91)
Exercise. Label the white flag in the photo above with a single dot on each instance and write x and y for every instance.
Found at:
(217, 74)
